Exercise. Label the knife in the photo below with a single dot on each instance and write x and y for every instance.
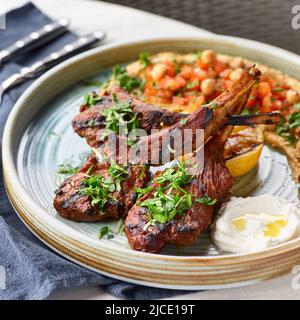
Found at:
(48, 62)
(34, 39)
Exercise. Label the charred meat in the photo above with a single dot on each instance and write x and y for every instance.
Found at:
(100, 191)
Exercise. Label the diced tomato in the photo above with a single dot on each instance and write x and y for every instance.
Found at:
(180, 81)
(179, 100)
(199, 101)
(171, 70)
(263, 89)
(220, 66)
(280, 95)
(276, 105)
(186, 72)
(202, 65)
(200, 73)
(225, 74)
(267, 101)
(164, 93)
(211, 73)
(251, 103)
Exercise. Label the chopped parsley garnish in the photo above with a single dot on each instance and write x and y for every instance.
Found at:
(206, 200)
(91, 123)
(169, 198)
(105, 231)
(127, 82)
(91, 99)
(67, 169)
(118, 174)
(193, 84)
(212, 106)
(198, 54)
(144, 59)
(284, 129)
(97, 189)
(119, 115)
(184, 121)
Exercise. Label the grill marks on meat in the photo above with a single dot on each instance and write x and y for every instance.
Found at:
(204, 118)
(215, 181)
(70, 204)
(90, 123)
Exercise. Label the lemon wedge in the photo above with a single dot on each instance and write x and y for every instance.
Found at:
(243, 149)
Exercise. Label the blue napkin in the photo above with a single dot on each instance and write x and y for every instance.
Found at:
(32, 270)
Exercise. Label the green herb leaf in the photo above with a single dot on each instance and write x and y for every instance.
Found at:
(184, 121)
(285, 128)
(193, 84)
(127, 82)
(119, 115)
(144, 59)
(212, 106)
(206, 200)
(97, 189)
(67, 169)
(104, 231)
(169, 198)
(91, 99)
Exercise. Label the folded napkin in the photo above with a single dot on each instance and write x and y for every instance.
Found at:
(32, 270)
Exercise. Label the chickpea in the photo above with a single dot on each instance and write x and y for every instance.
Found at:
(236, 74)
(292, 96)
(208, 86)
(208, 57)
(236, 63)
(158, 71)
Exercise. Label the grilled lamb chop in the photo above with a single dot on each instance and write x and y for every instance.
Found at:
(90, 123)
(71, 204)
(214, 182)
(210, 118)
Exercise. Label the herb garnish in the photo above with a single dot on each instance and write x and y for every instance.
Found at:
(119, 115)
(67, 169)
(284, 129)
(104, 231)
(193, 84)
(169, 198)
(206, 200)
(118, 174)
(127, 82)
(183, 121)
(91, 99)
(144, 59)
(212, 106)
(97, 189)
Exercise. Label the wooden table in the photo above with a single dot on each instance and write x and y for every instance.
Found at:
(123, 23)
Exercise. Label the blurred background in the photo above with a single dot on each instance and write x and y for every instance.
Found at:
(268, 21)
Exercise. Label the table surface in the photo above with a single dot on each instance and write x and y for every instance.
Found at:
(122, 23)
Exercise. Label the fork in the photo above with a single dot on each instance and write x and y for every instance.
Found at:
(34, 39)
(48, 62)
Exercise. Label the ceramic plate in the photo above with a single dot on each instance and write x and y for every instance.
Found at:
(38, 138)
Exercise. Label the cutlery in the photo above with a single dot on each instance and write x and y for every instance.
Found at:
(34, 39)
(48, 62)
